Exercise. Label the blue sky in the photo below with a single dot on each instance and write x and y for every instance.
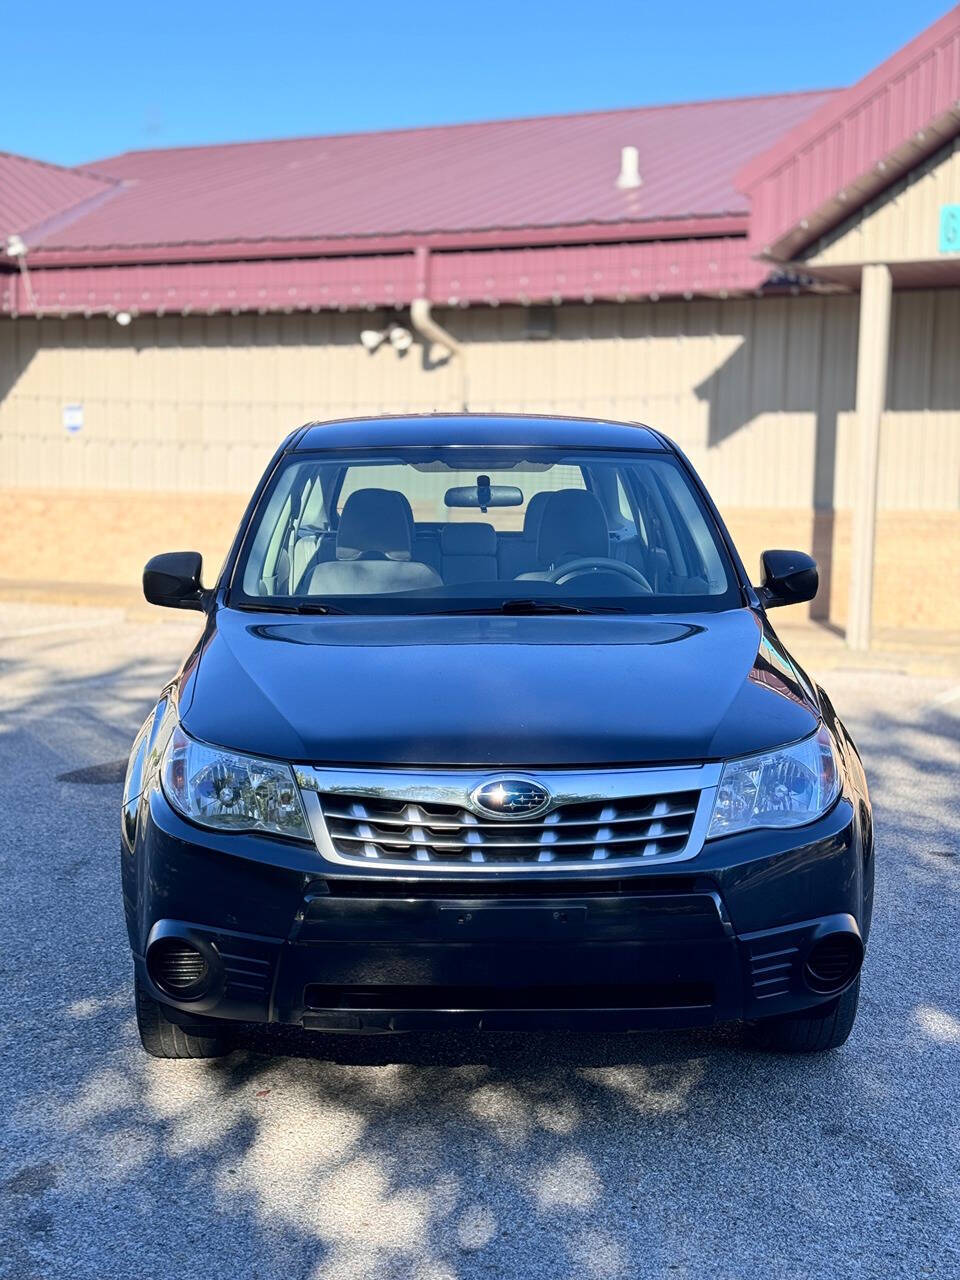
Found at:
(83, 80)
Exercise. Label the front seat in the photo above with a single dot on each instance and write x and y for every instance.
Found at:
(573, 528)
(516, 555)
(374, 542)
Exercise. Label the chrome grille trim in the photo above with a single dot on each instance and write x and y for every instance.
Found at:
(394, 819)
(436, 824)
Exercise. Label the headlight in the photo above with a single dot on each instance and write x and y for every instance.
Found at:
(229, 791)
(784, 788)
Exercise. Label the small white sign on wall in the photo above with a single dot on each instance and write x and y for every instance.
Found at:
(72, 418)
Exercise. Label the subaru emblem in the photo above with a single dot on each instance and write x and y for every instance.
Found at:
(510, 798)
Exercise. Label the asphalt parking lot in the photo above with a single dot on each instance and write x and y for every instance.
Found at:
(422, 1158)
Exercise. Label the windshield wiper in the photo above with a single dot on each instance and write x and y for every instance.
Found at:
(314, 606)
(517, 608)
(529, 606)
(276, 606)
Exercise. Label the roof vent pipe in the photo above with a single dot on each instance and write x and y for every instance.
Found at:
(629, 176)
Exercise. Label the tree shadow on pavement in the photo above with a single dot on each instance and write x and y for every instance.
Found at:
(418, 1157)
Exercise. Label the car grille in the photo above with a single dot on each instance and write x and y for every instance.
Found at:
(364, 828)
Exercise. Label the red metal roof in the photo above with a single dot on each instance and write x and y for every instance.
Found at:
(31, 192)
(857, 143)
(552, 172)
(667, 268)
(512, 211)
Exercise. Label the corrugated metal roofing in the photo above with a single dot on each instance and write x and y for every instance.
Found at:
(857, 143)
(32, 192)
(556, 171)
(638, 269)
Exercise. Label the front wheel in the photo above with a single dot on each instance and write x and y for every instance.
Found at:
(162, 1038)
(815, 1031)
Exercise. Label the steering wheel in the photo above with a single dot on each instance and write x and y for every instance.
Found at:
(583, 567)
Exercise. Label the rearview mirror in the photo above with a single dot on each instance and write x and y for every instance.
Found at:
(484, 495)
(789, 577)
(173, 580)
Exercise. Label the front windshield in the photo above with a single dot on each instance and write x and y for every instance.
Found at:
(468, 529)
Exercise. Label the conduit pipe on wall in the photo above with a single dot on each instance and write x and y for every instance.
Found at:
(427, 327)
(17, 250)
(421, 318)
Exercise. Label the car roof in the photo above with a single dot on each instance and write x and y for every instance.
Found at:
(476, 429)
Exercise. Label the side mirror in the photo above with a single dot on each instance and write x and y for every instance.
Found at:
(789, 577)
(173, 580)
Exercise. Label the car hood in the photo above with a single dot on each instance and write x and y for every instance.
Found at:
(496, 691)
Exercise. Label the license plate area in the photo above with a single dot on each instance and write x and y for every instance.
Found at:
(472, 923)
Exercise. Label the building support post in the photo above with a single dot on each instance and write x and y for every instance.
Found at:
(872, 355)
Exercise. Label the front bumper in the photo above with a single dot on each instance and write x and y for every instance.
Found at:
(291, 940)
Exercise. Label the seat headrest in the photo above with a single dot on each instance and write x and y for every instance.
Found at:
(378, 521)
(573, 526)
(477, 539)
(534, 514)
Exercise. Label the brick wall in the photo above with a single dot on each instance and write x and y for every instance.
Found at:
(104, 538)
(915, 573)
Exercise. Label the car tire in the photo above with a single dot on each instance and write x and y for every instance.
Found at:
(162, 1038)
(816, 1031)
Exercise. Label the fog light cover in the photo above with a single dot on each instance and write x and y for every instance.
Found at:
(228, 791)
(177, 966)
(833, 961)
(785, 788)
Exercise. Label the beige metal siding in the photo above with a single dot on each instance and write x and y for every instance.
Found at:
(901, 225)
(759, 392)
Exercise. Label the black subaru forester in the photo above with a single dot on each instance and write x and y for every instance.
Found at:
(487, 728)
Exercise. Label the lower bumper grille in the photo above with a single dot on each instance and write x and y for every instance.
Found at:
(673, 995)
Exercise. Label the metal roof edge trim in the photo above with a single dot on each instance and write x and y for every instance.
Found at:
(848, 101)
(511, 276)
(797, 241)
(700, 227)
